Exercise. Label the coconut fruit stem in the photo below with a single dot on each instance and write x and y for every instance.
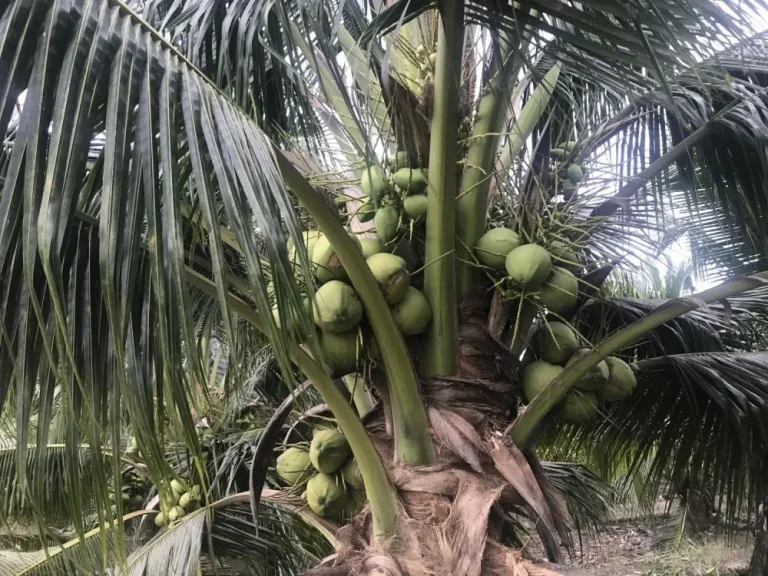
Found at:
(441, 349)
(523, 428)
(413, 444)
(526, 314)
(381, 494)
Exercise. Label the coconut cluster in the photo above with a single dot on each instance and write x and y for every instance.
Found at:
(558, 346)
(394, 197)
(333, 484)
(184, 499)
(543, 272)
(570, 174)
(337, 310)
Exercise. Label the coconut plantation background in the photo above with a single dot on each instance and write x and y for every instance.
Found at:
(380, 288)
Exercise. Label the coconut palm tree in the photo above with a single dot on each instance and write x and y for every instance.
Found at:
(164, 160)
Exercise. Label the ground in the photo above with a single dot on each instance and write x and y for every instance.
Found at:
(625, 547)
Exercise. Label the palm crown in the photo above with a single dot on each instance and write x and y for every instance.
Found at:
(166, 167)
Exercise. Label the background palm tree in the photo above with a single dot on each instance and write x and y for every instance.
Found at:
(155, 166)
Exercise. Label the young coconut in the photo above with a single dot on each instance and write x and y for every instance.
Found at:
(575, 173)
(391, 274)
(528, 266)
(562, 255)
(556, 342)
(290, 325)
(176, 513)
(329, 450)
(366, 211)
(568, 146)
(596, 378)
(413, 314)
(387, 222)
(560, 291)
(621, 381)
(557, 153)
(416, 207)
(326, 262)
(493, 246)
(160, 520)
(350, 472)
(537, 376)
(371, 246)
(337, 307)
(569, 189)
(340, 350)
(414, 180)
(310, 238)
(293, 465)
(399, 160)
(325, 495)
(578, 407)
(375, 184)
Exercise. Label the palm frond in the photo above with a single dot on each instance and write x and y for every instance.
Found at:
(738, 325)
(16, 503)
(94, 252)
(588, 497)
(700, 416)
(176, 550)
(98, 547)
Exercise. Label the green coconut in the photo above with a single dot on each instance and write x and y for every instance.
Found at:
(309, 238)
(578, 407)
(329, 450)
(621, 381)
(416, 207)
(433, 58)
(557, 153)
(413, 314)
(391, 274)
(366, 211)
(352, 477)
(337, 307)
(568, 146)
(326, 262)
(375, 184)
(325, 495)
(556, 342)
(493, 246)
(179, 486)
(569, 189)
(278, 320)
(371, 246)
(293, 465)
(404, 249)
(414, 180)
(340, 350)
(562, 254)
(528, 266)
(537, 376)
(184, 500)
(560, 291)
(387, 221)
(160, 520)
(399, 160)
(575, 173)
(176, 513)
(596, 378)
